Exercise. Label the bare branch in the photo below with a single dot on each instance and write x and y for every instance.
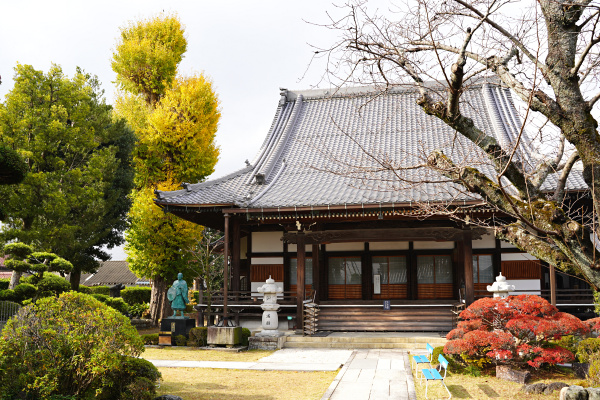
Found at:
(562, 181)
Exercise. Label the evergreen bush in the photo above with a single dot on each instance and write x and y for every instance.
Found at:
(136, 295)
(134, 379)
(105, 290)
(24, 291)
(63, 346)
(84, 289)
(150, 338)
(245, 335)
(198, 336)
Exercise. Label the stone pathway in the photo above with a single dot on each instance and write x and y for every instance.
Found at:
(366, 374)
(374, 375)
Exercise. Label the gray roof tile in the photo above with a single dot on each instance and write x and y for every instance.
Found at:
(321, 150)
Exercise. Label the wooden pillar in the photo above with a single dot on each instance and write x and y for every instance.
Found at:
(300, 281)
(235, 255)
(316, 264)
(467, 252)
(552, 285)
(225, 264)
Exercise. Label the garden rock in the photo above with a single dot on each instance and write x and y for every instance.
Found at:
(168, 397)
(509, 374)
(554, 386)
(593, 393)
(536, 388)
(573, 393)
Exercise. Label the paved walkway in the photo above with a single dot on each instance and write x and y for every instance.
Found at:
(365, 374)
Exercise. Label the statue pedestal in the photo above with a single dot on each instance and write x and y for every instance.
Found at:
(171, 327)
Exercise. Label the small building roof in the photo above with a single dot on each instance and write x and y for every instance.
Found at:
(324, 149)
(113, 273)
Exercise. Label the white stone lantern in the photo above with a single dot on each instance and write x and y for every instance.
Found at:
(270, 320)
(500, 288)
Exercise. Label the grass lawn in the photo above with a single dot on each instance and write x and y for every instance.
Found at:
(233, 384)
(487, 386)
(178, 353)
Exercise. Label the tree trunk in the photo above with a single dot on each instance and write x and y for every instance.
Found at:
(74, 278)
(14, 279)
(158, 299)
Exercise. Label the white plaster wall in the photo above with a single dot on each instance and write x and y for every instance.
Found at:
(506, 245)
(487, 241)
(425, 245)
(517, 257)
(267, 260)
(293, 248)
(267, 242)
(354, 246)
(388, 246)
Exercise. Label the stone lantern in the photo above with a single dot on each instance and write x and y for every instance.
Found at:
(500, 288)
(270, 320)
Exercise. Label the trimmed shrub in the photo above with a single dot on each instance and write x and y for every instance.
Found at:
(436, 353)
(84, 289)
(587, 348)
(4, 283)
(25, 291)
(198, 336)
(137, 310)
(63, 346)
(49, 285)
(180, 340)
(8, 295)
(115, 302)
(150, 338)
(134, 379)
(245, 335)
(105, 290)
(136, 295)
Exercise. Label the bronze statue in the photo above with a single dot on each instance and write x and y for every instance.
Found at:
(178, 295)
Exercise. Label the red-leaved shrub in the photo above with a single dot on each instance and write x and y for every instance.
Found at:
(518, 330)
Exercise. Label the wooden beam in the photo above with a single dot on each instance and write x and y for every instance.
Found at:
(467, 251)
(552, 285)
(381, 235)
(235, 255)
(300, 281)
(316, 264)
(225, 264)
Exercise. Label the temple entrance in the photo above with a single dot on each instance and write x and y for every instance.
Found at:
(345, 278)
(389, 277)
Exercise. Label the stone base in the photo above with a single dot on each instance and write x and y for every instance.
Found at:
(227, 335)
(265, 342)
(171, 327)
(509, 374)
(267, 333)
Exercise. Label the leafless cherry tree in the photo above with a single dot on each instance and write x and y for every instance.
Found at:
(546, 52)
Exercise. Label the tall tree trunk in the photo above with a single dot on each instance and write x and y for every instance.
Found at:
(158, 299)
(74, 278)
(14, 279)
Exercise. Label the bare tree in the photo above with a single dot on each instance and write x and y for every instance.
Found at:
(546, 52)
(207, 263)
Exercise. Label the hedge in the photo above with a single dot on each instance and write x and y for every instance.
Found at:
(136, 295)
(100, 290)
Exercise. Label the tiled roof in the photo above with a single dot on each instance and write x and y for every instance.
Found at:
(322, 149)
(112, 273)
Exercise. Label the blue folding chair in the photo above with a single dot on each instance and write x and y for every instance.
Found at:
(423, 359)
(432, 374)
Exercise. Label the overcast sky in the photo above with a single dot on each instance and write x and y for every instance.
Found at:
(249, 48)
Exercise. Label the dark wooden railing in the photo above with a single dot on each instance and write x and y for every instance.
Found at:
(244, 304)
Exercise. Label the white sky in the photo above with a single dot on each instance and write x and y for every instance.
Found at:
(249, 48)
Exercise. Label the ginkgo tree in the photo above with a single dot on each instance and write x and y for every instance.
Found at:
(175, 119)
